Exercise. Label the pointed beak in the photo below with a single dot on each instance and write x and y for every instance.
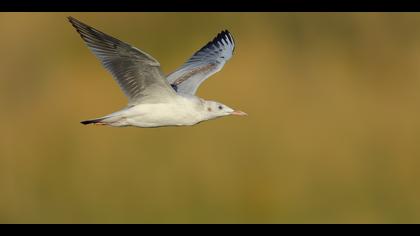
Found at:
(238, 113)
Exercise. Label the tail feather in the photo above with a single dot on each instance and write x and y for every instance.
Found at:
(114, 119)
(94, 121)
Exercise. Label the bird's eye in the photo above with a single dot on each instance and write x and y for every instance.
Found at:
(220, 107)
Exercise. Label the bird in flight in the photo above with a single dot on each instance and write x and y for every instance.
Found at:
(156, 100)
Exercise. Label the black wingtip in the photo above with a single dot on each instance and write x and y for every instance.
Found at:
(74, 22)
(224, 34)
(77, 24)
(228, 35)
(71, 19)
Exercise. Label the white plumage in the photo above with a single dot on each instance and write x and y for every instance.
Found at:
(153, 99)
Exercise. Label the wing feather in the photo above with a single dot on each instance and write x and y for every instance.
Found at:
(205, 62)
(137, 73)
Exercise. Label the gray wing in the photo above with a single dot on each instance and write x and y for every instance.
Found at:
(205, 62)
(137, 73)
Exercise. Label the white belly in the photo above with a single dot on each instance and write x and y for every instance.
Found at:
(164, 114)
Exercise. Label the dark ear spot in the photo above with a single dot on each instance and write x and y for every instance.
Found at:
(208, 109)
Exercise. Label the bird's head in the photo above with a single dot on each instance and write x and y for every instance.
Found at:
(216, 109)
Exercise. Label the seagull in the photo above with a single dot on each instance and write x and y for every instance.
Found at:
(156, 100)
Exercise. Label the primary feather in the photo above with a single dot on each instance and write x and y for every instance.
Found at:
(137, 73)
(205, 62)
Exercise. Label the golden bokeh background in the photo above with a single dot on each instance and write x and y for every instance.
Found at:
(332, 136)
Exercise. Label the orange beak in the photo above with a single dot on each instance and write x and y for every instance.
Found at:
(238, 113)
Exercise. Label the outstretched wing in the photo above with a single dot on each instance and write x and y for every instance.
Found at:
(137, 73)
(205, 62)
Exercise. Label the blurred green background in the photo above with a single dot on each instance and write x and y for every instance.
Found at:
(332, 136)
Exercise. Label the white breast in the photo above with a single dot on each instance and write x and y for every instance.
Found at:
(182, 111)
